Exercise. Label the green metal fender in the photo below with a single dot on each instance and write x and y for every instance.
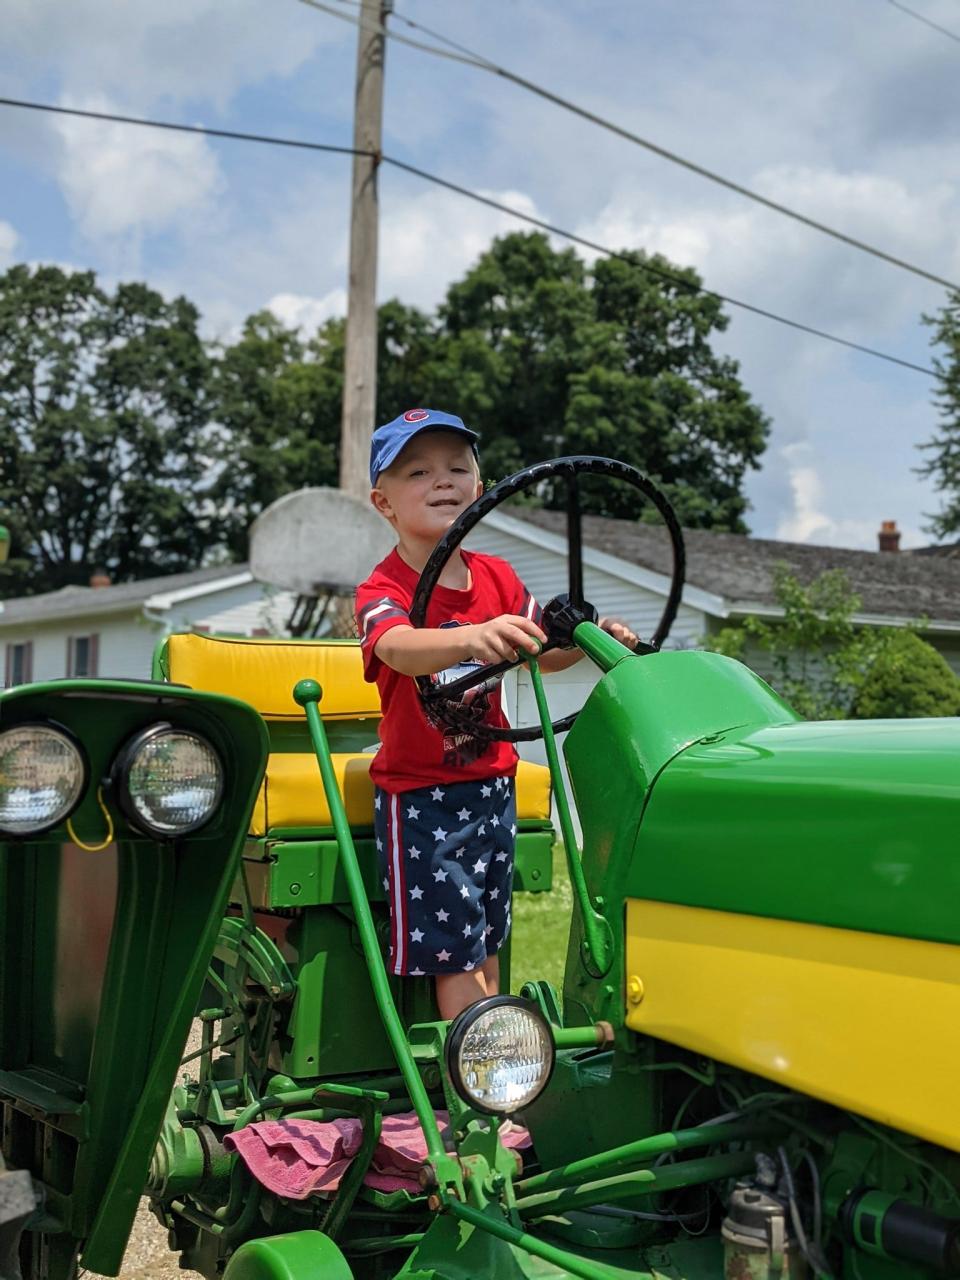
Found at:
(289, 1257)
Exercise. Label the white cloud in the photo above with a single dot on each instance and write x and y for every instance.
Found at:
(430, 238)
(806, 520)
(181, 49)
(758, 255)
(292, 255)
(810, 519)
(118, 179)
(8, 243)
(299, 311)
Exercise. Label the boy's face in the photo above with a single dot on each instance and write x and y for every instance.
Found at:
(430, 483)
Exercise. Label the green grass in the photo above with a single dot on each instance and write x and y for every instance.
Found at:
(541, 925)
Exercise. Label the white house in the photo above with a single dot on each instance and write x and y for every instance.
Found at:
(111, 630)
(626, 575)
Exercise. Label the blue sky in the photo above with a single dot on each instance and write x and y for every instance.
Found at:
(845, 112)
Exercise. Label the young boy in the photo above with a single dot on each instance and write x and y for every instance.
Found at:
(444, 806)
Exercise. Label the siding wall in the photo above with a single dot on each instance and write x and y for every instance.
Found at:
(124, 647)
(127, 640)
(544, 572)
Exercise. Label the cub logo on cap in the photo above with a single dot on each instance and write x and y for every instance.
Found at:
(415, 415)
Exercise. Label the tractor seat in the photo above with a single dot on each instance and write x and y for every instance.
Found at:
(263, 673)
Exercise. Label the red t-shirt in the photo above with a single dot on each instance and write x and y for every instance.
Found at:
(417, 752)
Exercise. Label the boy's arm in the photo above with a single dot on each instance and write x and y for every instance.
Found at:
(420, 651)
(559, 659)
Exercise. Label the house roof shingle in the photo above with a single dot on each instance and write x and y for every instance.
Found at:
(741, 569)
(70, 602)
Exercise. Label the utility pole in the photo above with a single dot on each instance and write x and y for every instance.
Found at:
(360, 363)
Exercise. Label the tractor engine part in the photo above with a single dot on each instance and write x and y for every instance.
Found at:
(758, 1243)
(186, 1158)
(880, 1224)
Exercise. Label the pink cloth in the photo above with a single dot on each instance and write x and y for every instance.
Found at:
(299, 1158)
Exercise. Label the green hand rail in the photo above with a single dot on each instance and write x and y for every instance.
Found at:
(307, 693)
(597, 934)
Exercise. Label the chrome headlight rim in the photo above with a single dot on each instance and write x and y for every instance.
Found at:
(120, 776)
(464, 1023)
(68, 736)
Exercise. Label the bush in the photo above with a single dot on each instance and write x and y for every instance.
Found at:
(907, 678)
(814, 656)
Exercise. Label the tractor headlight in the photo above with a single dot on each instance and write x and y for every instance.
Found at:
(500, 1054)
(168, 781)
(43, 774)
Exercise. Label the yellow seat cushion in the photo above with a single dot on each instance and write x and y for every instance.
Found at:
(264, 672)
(292, 792)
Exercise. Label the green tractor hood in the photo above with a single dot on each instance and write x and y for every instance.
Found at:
(698, 785)
(851, 824)
(102, 958)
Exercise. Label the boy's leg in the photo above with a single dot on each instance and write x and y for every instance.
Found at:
(455, 991)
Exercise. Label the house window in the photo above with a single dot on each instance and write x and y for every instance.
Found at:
(82, 655)
(18, 668)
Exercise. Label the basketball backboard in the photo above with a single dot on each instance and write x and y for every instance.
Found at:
(318, 542)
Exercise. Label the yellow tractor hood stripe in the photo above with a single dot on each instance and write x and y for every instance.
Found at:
(861, 1020)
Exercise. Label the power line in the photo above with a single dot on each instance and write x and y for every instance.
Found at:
(479, 198)
(206, 131)
(926, 21)
(468, 57)
(654, 270)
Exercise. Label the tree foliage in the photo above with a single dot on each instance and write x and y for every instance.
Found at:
(103, 429)
(129, 442)
(548, 357)
(943, 462)
(829, 668)
(276, 397)
(815, 656)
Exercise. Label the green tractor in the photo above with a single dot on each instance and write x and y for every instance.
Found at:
(748, 1073)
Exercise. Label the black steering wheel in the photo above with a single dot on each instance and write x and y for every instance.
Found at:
(562, 613)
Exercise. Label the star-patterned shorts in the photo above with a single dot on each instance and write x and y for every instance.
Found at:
(446, 856)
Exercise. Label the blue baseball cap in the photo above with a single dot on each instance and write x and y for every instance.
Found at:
(390, 439)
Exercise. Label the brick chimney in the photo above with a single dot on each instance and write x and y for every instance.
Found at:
(100, 578)
(889, 536)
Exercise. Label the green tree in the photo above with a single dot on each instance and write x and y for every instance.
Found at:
(907, 678)
(943, 463)
(543, 355)
(276, 399)
(546, 356)
(103, 430)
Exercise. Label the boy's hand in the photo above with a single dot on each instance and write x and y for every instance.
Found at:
(620, 631)
(504, 639)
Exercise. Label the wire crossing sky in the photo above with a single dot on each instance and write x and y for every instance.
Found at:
(649, 267)
(484, 64)
(843, 112)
